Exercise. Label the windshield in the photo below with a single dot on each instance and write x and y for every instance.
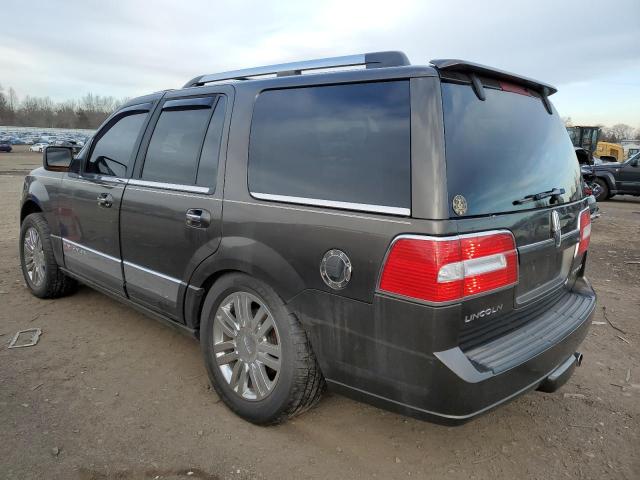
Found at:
(503, 149)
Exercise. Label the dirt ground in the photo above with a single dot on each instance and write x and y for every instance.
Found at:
(110, 394)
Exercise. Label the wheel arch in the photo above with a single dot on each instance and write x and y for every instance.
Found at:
(607, 177)
(28, 207)
(240, 255)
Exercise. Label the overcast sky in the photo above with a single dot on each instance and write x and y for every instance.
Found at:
(589, 50)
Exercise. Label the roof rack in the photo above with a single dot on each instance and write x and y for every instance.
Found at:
(370, 60)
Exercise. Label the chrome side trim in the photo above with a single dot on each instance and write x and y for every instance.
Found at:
(116, 181)
(152, 272)
(170, 186)
(338, 214)
(151, 284)
(86, 259)
(334, 204)
(68, 243)
(168, 192)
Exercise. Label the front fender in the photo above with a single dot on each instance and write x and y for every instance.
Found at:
(38, 196)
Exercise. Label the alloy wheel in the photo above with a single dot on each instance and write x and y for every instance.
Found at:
(246, 345)
(33, 253)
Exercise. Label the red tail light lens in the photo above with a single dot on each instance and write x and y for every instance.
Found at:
(450, 268)
(585, 231)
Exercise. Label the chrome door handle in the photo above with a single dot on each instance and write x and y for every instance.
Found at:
(105, 200)
(198, 218)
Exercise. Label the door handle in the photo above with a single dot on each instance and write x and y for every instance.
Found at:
(198, 218)
(105, 200)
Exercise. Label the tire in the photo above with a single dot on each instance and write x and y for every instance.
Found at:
(49, 282)
(295, 386)
(604, 190)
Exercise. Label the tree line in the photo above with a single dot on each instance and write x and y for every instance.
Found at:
(87, 112)
(619, 132)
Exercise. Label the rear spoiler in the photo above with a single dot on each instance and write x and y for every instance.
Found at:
(474, 69)
(463, 66)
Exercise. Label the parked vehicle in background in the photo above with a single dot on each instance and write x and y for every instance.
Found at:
(352, 250)
(618, 178)
(631, 147)
(5, 146)
(38, 147)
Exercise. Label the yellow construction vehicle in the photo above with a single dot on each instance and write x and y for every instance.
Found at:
(610, 151)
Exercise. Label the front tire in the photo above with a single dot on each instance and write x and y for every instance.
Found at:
(257, 354)
(39, 267)
(604, 190)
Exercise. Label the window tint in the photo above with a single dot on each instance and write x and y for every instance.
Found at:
(113, 151)
(208, 168)
(345, 143)
(504, 148)
(175, 146)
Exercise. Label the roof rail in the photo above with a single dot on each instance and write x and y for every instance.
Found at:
(370, 60)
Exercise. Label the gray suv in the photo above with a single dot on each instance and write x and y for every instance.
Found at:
(411, 236)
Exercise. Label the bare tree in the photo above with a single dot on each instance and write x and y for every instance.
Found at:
(87, 112)
(621, 131)
(12, 97)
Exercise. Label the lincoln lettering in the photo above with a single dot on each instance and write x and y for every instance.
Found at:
(482, 313)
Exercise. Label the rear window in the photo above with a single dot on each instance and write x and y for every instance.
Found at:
(346, 146)
(504, 148)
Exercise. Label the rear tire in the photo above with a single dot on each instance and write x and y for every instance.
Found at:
(286, 384)
(39, 267)
(604, 190)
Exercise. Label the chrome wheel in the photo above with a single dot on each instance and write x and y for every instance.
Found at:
(33, 256)
(247, 346)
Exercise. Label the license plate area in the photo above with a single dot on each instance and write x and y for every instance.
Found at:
(541, 271)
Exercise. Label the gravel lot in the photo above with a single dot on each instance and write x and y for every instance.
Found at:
(110, 394)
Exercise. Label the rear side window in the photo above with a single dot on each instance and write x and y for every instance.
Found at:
(208, 167)
(329, 144)
(113, 150)
(178, 146)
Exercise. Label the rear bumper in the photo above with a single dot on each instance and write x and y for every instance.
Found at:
(389, 357)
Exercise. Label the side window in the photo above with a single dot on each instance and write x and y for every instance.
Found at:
(342, 143)
(184, 146)
(113, 150)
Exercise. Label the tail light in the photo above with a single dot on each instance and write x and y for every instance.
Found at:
(585, 231)
(446, 269)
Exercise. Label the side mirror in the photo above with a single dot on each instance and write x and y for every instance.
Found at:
(634, 163)
(57, 159)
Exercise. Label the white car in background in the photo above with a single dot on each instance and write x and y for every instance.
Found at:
(38, 147)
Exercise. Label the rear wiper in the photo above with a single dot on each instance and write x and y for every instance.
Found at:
(554, 194)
